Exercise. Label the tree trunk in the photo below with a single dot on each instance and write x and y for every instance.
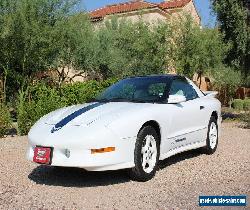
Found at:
(4, 80)
(199, 78)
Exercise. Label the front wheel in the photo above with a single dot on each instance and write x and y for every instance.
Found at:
(146, 155)
(212, 136)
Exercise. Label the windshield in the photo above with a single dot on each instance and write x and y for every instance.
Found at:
(140, 90)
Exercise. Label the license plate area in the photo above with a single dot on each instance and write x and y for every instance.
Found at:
(42, 155)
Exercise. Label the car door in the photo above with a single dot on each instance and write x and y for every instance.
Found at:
(187, 118)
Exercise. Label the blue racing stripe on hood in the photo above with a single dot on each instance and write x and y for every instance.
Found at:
(74, 115)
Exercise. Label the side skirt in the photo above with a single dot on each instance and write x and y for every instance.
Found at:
(177, 150)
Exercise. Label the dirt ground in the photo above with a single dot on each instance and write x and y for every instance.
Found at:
(177, 185)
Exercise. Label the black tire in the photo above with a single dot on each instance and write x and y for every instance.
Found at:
(211, 147)
(138, 173)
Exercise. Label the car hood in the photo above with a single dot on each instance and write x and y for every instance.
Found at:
(89, 113)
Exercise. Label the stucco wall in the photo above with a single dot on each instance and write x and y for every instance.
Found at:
(153, 16)
(150, 16)
(73, 75)
(191, 9)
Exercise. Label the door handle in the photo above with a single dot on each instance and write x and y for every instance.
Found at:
(202, 107)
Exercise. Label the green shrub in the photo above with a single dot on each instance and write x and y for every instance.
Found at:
(238, 104)
(246, 119)
(34, 103)
(246, 104)
(5, 120)
(226, 81)
(79, 92)
(40, 99)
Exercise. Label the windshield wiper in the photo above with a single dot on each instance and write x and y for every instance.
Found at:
(130, 100)
(123, 100)
(138, 101)
(99, 100)
(118, 100)
(110, 100)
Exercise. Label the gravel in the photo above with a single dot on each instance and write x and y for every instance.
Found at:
(177, 185)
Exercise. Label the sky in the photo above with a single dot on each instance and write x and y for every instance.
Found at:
(203, 7)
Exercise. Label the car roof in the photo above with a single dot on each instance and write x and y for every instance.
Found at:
(160, 76)
(170, 78)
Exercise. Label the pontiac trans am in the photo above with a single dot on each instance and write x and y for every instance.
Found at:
(131, 125)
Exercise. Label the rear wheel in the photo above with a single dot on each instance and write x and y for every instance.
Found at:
(146, 155)
(212, 136)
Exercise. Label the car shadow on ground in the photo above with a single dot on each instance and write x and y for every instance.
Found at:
(76, 177)
(229, 116)
(180, 157)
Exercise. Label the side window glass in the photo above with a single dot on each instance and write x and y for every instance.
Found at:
(157, 89)
(126, 91)
(183, 88)
(177, 88)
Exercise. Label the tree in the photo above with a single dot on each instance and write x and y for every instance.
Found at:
(73, 40)
(122, 48)
(144, 47)
(197, 49)
(27, 31)
(226, 81)
(232, 17)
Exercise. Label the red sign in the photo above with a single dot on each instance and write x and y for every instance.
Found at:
(42, 155)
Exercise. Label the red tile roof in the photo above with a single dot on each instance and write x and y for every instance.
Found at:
(173, 4)
(135, 5)
(121, 8)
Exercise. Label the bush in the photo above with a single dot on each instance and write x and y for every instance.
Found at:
(226, 81)
(34, 103)
(246, 119)
(5, 120)
(238, 104)
(241, 104)
(40, 99)
(79, 92)
(246, 104)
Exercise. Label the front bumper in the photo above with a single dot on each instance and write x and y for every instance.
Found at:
(71, 149)
(121, 158)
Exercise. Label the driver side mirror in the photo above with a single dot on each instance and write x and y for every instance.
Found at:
(176, 99)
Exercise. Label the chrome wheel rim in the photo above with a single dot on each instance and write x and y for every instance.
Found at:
(149, 153)
(213, 134)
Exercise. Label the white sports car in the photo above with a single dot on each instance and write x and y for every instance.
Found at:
(133, 124)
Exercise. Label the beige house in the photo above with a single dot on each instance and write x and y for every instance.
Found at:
(135, 10)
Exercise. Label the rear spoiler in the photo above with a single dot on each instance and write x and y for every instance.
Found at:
(210, 93)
